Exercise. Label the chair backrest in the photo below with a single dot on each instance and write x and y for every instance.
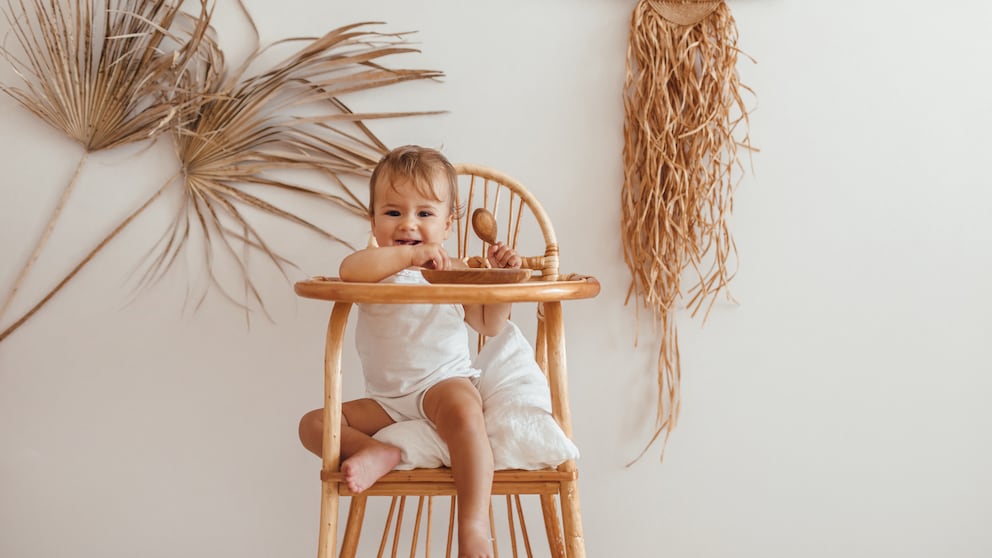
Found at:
(522, 223)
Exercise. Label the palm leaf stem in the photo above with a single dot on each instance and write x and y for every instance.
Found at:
(86, 259)
(43, 239)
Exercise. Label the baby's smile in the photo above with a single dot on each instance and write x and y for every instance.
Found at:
(406, 242)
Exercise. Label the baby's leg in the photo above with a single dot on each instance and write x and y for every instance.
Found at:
(455, 407)
(365, 459)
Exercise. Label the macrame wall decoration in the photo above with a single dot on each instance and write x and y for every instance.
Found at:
(683, 107)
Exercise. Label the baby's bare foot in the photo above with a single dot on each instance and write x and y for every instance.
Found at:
(366, 466)
(474, 541)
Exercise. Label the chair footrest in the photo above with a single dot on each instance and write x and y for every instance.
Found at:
(440, 482)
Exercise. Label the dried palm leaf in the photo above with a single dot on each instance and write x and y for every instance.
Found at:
(245, 131)
(103, 75)
(683, 108)
(288, 117)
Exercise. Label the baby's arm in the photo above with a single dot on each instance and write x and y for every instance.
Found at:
(375, 264)
(489, 319)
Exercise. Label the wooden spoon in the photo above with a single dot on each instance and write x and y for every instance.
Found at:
(484, 225)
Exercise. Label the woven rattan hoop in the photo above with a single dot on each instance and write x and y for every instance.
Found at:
(684, 13)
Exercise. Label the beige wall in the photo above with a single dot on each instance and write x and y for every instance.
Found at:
(840, 410)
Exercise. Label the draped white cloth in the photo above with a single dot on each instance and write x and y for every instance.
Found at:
(517, 408)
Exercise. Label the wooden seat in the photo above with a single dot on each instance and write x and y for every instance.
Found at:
(522, 224)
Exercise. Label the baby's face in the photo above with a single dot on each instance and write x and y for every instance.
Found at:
(404, 216)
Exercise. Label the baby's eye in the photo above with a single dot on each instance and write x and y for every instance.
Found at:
(392, 213)
(425, 214)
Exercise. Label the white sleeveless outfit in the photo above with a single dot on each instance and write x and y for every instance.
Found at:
(407, 348)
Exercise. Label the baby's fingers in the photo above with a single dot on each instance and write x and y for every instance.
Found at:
(440, 258)
(493, 254)
(501, 255)
(442, 261)
(514, 260)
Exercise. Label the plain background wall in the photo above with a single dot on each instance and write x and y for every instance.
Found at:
(841, 409)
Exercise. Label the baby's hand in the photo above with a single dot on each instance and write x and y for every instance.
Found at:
(430, 255)
(501, 255)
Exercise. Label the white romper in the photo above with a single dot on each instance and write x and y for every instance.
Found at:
(407, 348)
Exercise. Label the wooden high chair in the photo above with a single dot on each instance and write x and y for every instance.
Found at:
(525, 226)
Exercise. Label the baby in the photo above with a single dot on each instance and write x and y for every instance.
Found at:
(415, 357)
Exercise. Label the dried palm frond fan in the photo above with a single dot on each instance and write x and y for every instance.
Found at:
(103, 74)
(249, 129)
(683, 106)
(230, 128)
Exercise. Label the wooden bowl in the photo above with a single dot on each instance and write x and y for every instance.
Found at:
(476, 276)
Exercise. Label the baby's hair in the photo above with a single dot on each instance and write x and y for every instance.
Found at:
(419, 165)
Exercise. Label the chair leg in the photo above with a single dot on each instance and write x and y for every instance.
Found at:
(353, 530)
(509, 524)
(492, 529)
(572, 519)
(385, 529)
(555, 541)
(330, 492)
(327, 539)
(451, 528)
(399, 526)
(416, 526)
(430, 519)
(523, 526)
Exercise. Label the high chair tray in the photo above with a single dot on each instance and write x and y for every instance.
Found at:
(571, 287)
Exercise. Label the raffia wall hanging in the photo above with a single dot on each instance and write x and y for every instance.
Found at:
(683, 110)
